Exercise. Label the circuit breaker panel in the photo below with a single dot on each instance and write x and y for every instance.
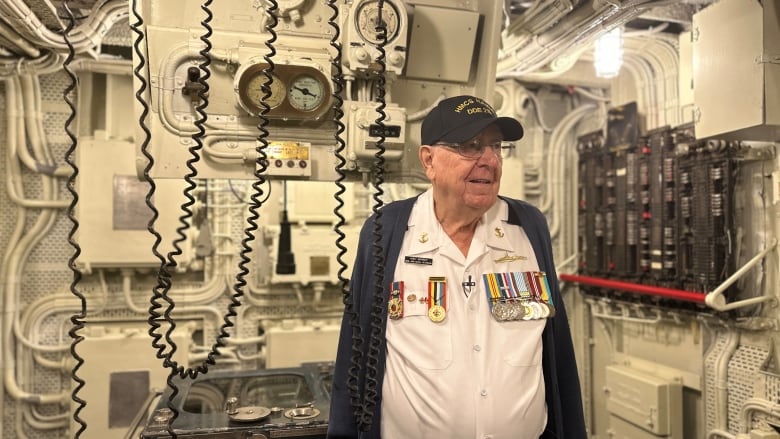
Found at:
(658, 208)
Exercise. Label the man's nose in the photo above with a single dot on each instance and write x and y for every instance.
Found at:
(489, 154)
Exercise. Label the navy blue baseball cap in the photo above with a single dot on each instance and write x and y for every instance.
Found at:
(461, 118)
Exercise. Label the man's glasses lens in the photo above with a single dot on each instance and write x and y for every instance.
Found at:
(475, 150)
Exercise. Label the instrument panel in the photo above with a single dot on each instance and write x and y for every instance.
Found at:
(288, 91)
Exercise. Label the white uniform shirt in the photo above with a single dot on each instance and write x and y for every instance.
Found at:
(469, 376)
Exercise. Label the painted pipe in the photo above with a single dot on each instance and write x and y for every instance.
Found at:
(688, 296)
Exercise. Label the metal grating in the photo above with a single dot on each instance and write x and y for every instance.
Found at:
(711, 380)
(119, 34)
(45, 12)
(744, 366)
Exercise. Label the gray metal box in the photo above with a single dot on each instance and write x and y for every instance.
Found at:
(736, 70)
(442, 44)
(648, 402)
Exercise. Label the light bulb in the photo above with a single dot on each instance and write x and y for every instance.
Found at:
(608, 53)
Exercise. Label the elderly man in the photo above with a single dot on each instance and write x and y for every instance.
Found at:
(470, 337)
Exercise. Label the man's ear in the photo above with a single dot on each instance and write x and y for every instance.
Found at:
(425, 154)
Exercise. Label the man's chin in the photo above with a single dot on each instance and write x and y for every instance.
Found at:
(480, 201)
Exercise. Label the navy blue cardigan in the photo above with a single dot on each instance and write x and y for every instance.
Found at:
(564, 403)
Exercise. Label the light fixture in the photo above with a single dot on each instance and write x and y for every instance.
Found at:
(608, 53)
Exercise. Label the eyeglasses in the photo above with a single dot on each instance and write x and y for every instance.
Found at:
(474, 150)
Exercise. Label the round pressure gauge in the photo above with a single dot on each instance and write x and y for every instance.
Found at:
(250, 89)
(367, 19)
(306, 92)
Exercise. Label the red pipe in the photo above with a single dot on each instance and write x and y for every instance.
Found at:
(636, 288)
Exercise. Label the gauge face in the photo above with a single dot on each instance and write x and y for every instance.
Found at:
(250, 89)
(255, 93)
(306, 93)
(367, 20)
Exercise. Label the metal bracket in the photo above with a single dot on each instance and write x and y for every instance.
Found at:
(717, 301)
(765, 58)
(757, 324)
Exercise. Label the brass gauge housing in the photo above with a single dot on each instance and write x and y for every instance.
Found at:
(367, 18)
(297, 91)
(250, 89)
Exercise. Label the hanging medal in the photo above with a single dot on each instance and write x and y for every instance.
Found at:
(515, 302)
(524, 294)
(507, 297)
(437, 299)
(538, 292)
(533, 287)
(395, 305)
(546, 293)
(494, 296)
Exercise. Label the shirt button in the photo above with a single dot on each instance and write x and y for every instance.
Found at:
(483, 392)
(487, 436)
(472, 306)
(477, 347)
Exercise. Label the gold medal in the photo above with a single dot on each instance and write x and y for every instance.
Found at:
(437, 298)
(395, 308)
(437, 313)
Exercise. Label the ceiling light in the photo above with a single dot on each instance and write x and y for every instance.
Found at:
(608, 53)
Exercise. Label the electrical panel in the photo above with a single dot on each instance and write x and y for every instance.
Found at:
(620, 182)
(658, 166)
(658, 208)
(112, 212)
(706, 211)
(365, 133)
(120, 379)
(591, 195)
(362, 37)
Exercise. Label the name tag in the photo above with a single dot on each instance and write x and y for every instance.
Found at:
(418, 260)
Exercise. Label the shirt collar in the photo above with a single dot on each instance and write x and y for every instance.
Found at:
(428, 234)
(494, 232)
(422, 223)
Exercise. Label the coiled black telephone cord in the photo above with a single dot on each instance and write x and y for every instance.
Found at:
(167, 348)
(77, 320)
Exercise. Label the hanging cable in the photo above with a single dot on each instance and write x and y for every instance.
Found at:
(261, 160)
(77, 320)
(163, 281)
(377, 308)
(167, 348)
(349, 307)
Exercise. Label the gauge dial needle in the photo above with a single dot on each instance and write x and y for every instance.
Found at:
(305, 91)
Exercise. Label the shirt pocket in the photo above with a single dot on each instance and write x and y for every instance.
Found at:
(421, 342)
(523, 339)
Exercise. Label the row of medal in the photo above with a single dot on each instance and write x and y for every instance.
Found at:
(436, 299)
(519, 295)
(511, 296)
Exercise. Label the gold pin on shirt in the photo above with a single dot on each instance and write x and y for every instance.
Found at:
(499, 232)
(509, 258)
(423, 238)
